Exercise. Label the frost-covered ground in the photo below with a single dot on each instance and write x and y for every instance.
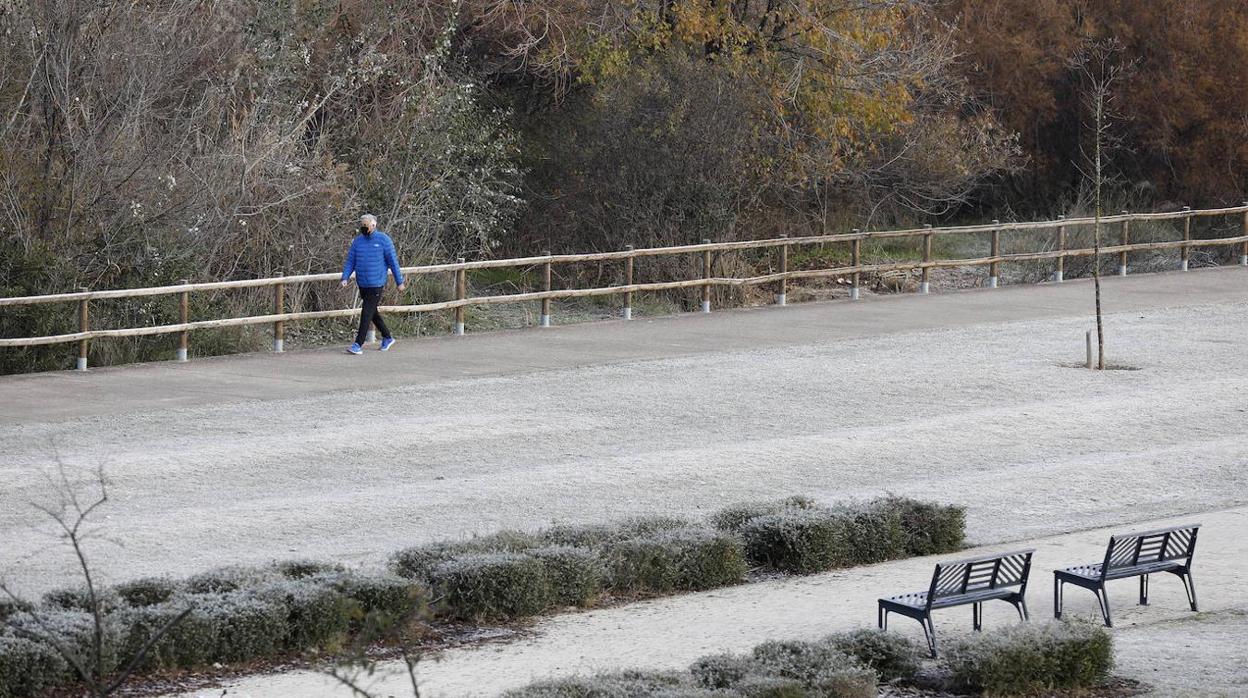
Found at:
(987, 414)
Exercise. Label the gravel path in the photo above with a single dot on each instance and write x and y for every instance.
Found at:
(984, 415)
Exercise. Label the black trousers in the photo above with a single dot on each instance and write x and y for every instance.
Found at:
(369, 314)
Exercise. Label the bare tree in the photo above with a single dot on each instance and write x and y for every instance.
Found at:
(1099, 70)
(72, 515)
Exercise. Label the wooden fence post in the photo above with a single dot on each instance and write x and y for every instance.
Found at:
(545, 319)
(1126, 240)
(84, 325)
(706, 275)
(279, 307)
(461, 292)
(1061, 249)
(628, 281)
(994, 270)
(855, 257)
(1187, 237)
(184, 316)
(925, 285)
(1243, 253)
(782, 296)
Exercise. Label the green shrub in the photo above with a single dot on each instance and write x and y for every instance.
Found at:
(822, 669)
(625, 684)
(190, 643)
(892, 656)
(245, 626)
(770, 687)
(227, 579)
(576, 575)
(74, 632)
(317, 614)
(1031, 658)
(876, 533)
(387, 595)
(705, 559)
(722, 670)
(298, 569)
(419, 561)
(930, 529)
(734, 518)
(597, 536)
(492, 586)
(641, 566)
(639, 526)
(799, 541)
(147, 591)
(9, 607)
(27, 668)
(581, 535)
(79, 599)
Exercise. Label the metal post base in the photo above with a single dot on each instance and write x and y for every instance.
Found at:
(925, 287)
(706, 306)
(1183, 265)
(181, 355)
(1243, 260)
(992, 282)
(459, 328)
(1057, 276)
(372, 336)
(1122, 271)
(628, 313)
(81, 365)
(780, 299)
(853, 294)
(544, 321)
(279, 346)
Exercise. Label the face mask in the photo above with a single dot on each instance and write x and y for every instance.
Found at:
(364, 230)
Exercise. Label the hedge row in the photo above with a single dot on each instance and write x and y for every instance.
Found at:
(1020, 660)
(1029, 659)
(514, 574)
(232, 615)
(243, 613)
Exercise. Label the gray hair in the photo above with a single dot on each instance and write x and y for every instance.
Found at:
(368, 218)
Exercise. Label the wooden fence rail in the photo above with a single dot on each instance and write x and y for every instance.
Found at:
(628, 256)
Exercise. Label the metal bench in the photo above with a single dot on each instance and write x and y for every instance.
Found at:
(1134, 555)
(958, 583)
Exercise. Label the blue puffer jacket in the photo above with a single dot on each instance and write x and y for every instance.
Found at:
(369, 257)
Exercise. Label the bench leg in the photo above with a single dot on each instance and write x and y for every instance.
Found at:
(977, 616)
(1057, 597)
(1190, 585)
(1021, 607)
(1143, 589)
(929, 632)
(1102, 597)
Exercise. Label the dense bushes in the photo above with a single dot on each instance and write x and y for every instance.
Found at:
(227, 615)
(772, 670)
(1018, 660)
(234, 614)
(571, 565)
(1028, 659)
(802, 538)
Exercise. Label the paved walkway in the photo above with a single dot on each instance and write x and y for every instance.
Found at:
(63, 395)
(1164, 644)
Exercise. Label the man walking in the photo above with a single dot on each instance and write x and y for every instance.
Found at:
(371, 255)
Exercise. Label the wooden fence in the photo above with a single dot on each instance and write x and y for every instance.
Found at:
(705, 282)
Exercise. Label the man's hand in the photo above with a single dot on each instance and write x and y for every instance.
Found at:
(345, 282)
(402, 287)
